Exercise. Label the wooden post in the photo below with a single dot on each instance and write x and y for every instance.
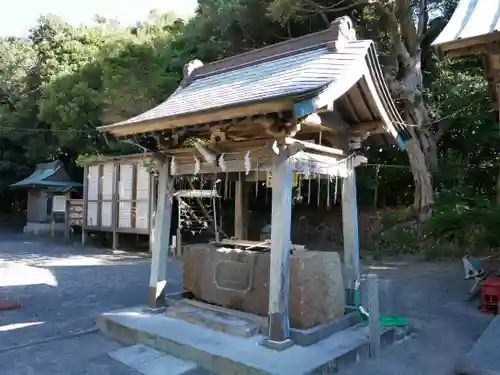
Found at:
(350, 233)
(151, 206)
(85, 201)
(67, 225)
(216, 223)
(100, 184)
(114, 204)
(160, 239)
(178, 232)
(374, 317)
(279, 284)
(240, 208)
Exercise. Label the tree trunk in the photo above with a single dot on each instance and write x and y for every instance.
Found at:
(422, 148)
(422, 177)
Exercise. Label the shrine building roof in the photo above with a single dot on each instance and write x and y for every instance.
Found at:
(325, 71)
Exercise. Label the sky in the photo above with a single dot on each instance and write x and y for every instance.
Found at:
(17, 18)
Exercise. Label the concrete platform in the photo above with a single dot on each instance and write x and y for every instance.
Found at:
(484, 357)
(149, 361)
(242, 324)
(223, 354)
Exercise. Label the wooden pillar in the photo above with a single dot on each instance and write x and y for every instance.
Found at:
(240, 208)
(160, 239)
(152, 203)
(115, 208)
(67, 224)
(374, 311)
(85, 202)
(279, 283)
(350, 233)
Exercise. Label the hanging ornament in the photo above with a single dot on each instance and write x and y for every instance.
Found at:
(248, 163)
(222, 163)
(173, 167)
(197, 165)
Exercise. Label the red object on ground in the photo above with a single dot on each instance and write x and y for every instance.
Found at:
(490, 294)
(9, 304)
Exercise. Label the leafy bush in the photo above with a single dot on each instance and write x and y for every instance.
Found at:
(459, 225)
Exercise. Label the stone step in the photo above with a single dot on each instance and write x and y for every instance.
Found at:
(149, 361)
(212, 319)
(223, 354)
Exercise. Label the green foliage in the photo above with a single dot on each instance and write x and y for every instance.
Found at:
(60, 84)
(460, 225)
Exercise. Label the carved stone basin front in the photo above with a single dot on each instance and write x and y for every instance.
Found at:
(239, 279)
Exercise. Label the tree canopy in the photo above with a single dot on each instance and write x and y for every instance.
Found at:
(60, 83)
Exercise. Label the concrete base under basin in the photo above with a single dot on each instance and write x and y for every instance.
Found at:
(223, 353)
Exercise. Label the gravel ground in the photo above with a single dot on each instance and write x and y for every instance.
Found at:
(62, 288)
(433, 296)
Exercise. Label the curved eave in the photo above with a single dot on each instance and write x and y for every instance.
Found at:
(375, 99)
(473, 24)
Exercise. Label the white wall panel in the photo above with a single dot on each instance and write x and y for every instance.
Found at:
(93, 183)
(142, 215)
(106, 214)
(142, 183)
(92, 214)
(125, 215)
(107, 181)
(125, 184)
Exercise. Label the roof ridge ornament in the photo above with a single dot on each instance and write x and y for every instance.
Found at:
(188, 70)
(345, 29)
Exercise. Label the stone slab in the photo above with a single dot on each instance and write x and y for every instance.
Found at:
(484, 357)
(252, 324)
(224, 354)
(216, 320)
(149, 361)
(239, 279)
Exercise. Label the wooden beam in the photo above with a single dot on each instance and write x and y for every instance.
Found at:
(161, 239)
(469, 50)
(333, 121)
(311, 146)
(279, 280)
(368, 127)
(121, 130)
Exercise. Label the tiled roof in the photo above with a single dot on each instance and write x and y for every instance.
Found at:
(40, 178)
(293, 75)
(281, 77)
(471, 19)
